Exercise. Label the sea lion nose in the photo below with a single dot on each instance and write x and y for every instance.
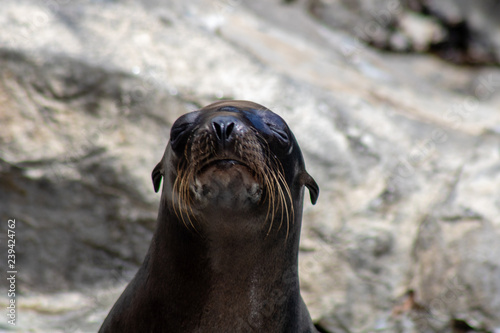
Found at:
(224, 127)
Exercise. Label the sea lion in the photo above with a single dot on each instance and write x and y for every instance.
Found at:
(224, 254)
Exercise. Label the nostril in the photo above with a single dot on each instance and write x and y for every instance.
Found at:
(229, 129)
(217, 130)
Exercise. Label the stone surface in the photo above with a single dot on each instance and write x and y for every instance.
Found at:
(406, 149)
(460, 31)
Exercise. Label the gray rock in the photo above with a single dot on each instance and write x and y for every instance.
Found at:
(405, 148)
(459, 31)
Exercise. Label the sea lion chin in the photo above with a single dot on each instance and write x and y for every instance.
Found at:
(224, 254)
(226, 184)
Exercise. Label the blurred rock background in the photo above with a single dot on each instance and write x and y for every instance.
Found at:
(396, 105)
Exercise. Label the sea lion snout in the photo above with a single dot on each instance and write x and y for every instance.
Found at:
(227, 132)
(228, 162)
(225, 126)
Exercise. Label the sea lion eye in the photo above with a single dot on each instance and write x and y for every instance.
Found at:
(181, 129)
(281, 138)
(176, 135)
(280, 135)
(274, 129)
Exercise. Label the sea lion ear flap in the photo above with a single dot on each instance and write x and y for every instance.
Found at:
(157, 174)
(313, 187)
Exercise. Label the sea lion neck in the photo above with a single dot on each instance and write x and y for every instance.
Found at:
(220, 250)
(250, 281)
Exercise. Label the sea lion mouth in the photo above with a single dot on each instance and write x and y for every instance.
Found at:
(223, 164)
(229, 177)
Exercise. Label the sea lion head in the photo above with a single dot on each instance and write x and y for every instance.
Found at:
(230, 163)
